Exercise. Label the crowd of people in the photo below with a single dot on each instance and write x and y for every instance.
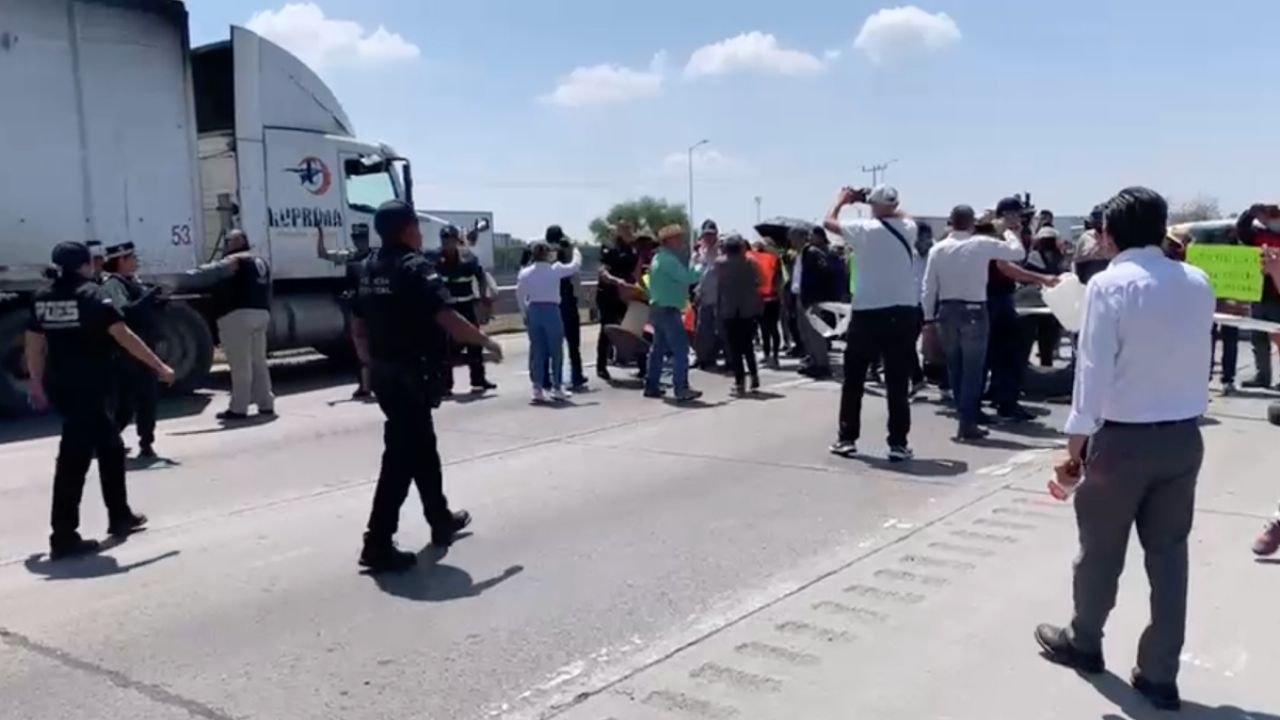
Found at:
(914, 308)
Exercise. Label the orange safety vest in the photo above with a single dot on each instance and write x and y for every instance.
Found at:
(767, 265)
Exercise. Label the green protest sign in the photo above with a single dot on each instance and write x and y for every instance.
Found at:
(1234, 270)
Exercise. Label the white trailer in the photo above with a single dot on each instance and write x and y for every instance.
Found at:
(115, 130)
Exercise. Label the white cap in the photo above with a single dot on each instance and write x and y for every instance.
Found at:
(883, 195)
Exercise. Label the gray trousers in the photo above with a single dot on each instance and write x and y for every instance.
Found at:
(1143, 475)
(244, 342)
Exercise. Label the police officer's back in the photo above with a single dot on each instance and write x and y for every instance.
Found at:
(71, 344)
(401, 319)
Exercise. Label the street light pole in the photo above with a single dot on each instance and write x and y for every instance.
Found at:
(692, 147)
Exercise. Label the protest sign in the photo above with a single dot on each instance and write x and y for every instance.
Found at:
(1234, 270)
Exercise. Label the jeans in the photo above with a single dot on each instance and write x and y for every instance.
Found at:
(1007, 352)
(546, 343)
(963, 329)
(1262, 341)
(410, 454)
(888, 333)
(669, 338)
(738, 334)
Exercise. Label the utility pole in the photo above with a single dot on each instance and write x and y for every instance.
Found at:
(759, 200)
(877, 172)
(692, 218)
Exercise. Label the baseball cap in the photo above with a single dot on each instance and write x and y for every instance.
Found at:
(71, 255)
(555, 234)
(883, 195)
(450, 232)
(709, 226)
(1009, 205)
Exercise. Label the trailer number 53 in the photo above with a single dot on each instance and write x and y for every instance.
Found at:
(180, 235)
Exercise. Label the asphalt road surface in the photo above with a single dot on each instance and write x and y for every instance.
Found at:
(607, 534)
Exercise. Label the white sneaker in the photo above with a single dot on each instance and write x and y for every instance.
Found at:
(538, 395)
(559, 395)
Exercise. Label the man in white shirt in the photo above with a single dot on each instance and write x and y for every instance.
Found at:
(1134, 433)
(955, 303)
(885, 321)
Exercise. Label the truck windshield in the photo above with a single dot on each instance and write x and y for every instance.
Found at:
(368, 187)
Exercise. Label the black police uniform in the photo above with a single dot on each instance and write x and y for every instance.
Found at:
(137, 389)
(621, 261)
(461, 276)
(400, 294)
(571, 319)
(74, 315)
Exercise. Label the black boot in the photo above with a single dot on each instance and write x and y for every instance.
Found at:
(383, 556)
(72, 547)
(443, 537)
(127, 525)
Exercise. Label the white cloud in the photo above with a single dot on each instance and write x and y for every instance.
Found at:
(608, 84)
(705, 159)
(751, 52)
(833, 55)
(320, 42)
(895, 33)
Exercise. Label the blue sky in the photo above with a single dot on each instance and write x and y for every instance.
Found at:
(549, 111)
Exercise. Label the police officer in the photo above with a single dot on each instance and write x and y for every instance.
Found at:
(569, 314)
(74, 332)
(402, 317)
(352, 262)
(465, 282)
(140, 303)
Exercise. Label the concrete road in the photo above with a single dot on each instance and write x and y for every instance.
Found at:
(608, 535)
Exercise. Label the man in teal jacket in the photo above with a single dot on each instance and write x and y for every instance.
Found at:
(670, 278)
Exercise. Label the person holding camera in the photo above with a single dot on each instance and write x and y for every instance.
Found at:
(886, 320)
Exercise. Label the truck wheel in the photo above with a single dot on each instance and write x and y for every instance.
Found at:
(185, 342)
(1273, 413)
(13, 367)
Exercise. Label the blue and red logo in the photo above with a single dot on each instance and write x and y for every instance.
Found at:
(314, 175)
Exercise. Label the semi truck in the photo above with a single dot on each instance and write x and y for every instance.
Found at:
(116, 130)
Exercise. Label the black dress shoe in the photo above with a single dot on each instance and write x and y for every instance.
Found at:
(63, 550)
(603, 373)
(1059, 650)
(124, 527)
(230, 415)
(147, 452)
(379, 557)
(483, 386)
(1162, 696)
(444, 537)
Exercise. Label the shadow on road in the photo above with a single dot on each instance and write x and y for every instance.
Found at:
(50, 425)
(230, 425)
(919, 467)
(89, 566)
(1135, 707)
(433, 581)
(139, 464)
